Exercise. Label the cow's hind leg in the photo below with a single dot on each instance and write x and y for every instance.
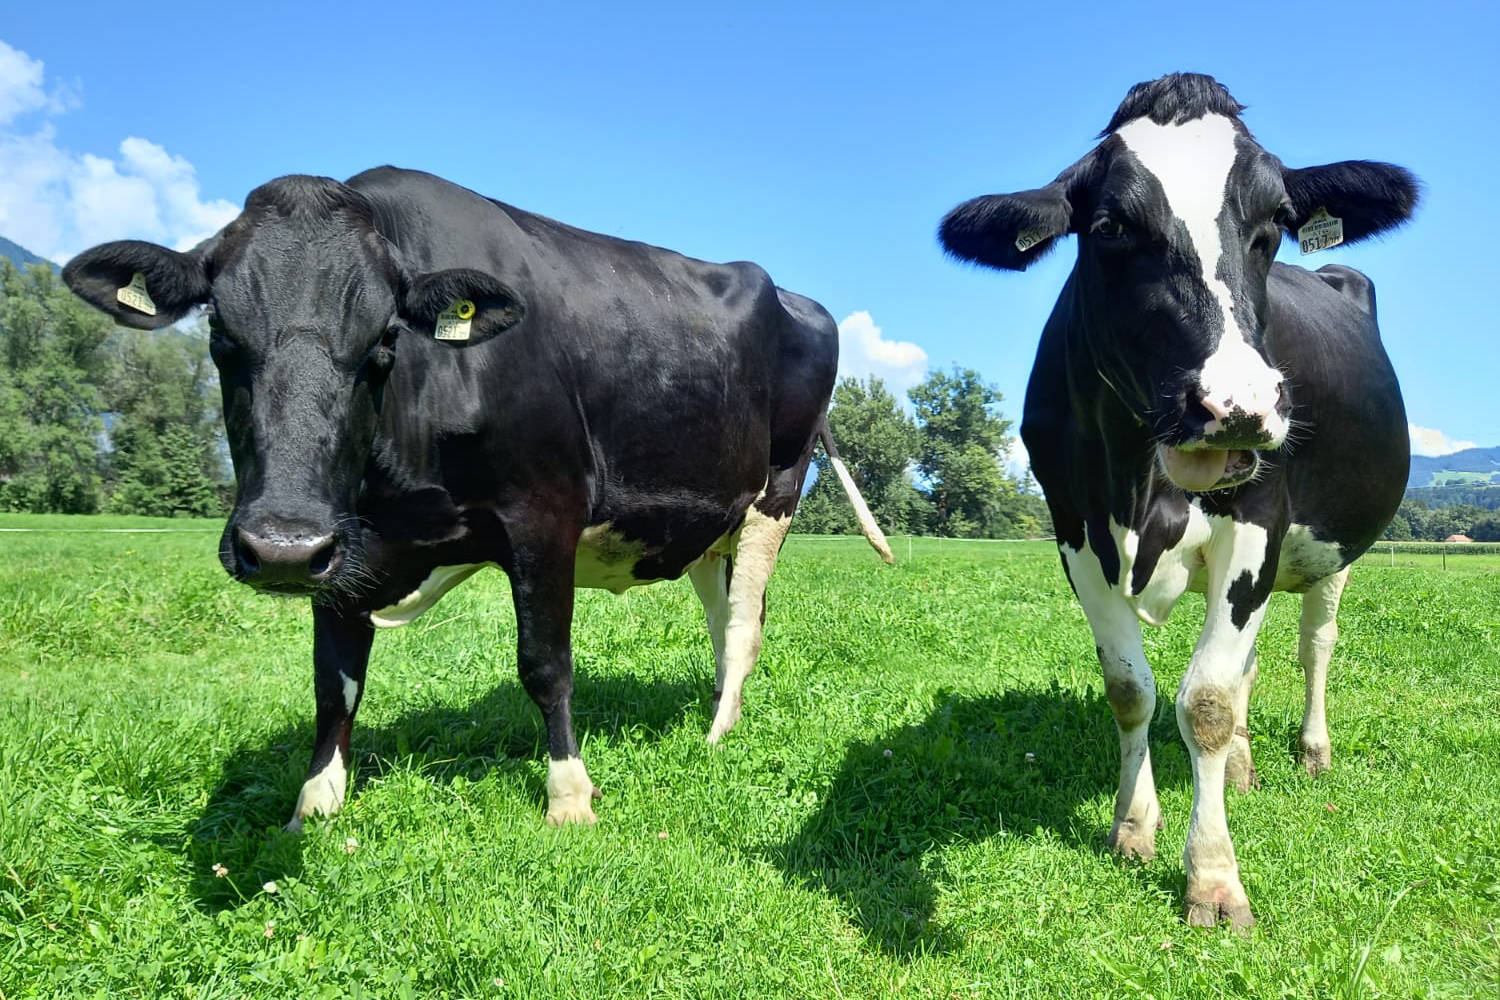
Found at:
(711, 576)
(1239, 769)
(760, 538)
(1319, 631)
(1131, 689)
(341, 651)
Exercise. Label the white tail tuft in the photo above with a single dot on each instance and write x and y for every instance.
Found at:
(867, 523)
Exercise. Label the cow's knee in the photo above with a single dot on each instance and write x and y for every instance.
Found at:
(1132, 702)
(1207, 715)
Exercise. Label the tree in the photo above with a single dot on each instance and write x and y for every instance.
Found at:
(877, 441)
(164, 457)
(960, 456)
(50, 363)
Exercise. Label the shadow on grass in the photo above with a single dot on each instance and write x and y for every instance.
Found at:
(962, 775)
(240, 826)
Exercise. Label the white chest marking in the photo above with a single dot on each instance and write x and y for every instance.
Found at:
(1178, 569)
(428, 592)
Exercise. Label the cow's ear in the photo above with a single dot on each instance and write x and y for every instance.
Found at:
(461, 306)
(1013, 231)
(1363, 196)
(141, 284)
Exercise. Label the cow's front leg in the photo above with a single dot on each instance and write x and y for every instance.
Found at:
(1131, 690)
(1239, 571)
(542, 586)
(341, 651)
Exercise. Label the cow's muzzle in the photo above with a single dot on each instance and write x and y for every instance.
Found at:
(286, 558)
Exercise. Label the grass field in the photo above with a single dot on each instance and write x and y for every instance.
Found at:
(915, 803)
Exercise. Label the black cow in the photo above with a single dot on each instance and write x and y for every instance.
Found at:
(420, 382)
(1203, 419)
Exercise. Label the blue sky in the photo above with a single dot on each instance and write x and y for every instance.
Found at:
(823, 141)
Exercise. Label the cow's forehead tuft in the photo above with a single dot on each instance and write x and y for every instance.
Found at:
(1174, 99)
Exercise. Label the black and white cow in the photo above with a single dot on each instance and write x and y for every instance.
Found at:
(1201, 418)
(420, 382)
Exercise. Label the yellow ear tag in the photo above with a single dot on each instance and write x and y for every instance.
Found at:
(135, 295)
(454, 322)
(1028, 238)
(1320, 232)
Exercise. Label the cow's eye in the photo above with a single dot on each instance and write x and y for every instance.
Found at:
(1108, 228)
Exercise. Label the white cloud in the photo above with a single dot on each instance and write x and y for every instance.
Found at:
(56, 202)
(863, 352)
(1428, 441)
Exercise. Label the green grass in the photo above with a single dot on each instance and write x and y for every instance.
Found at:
(872, 828)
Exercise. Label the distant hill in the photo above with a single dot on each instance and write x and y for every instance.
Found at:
(1472, 465)
(20, 256)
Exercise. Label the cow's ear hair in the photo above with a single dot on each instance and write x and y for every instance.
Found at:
(461, 306)
(1013, 231)
(1369, 197)
(141, 284)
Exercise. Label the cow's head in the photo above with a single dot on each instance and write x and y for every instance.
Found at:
(1179, 212)
(307, 305)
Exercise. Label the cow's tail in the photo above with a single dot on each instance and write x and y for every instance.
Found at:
(867, 524)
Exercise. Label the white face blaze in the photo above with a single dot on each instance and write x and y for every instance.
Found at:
(1192, 162)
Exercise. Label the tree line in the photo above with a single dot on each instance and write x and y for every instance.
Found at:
(99, 418)
(1415, 521)
(936, 470)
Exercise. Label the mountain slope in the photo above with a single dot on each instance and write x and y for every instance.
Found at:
(20, 256)
(1470, 465)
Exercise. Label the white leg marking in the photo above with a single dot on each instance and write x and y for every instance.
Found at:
(707, 575)
(322, 794)
(1319, 631)
(570, 793)
(351, 692)
(1205, 715)
(1131, 689)
(1192, 161)
(754, 558)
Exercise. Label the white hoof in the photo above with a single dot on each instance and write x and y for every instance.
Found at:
(570, 793)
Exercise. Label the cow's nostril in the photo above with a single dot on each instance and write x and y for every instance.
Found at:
(244, 554)
(325, 560)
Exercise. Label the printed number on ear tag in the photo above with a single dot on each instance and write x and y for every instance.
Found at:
(454, 322)
(1320, 232)
(1028, 238)
(135, 295)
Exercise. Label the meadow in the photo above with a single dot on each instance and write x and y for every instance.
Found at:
(914, 804)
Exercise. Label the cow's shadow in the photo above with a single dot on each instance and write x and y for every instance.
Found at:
(1017, 765)
(239, 828)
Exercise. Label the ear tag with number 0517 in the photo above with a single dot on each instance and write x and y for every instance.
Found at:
(1028, 238)
(1320, 232)
(454, 322)
(135, 295)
